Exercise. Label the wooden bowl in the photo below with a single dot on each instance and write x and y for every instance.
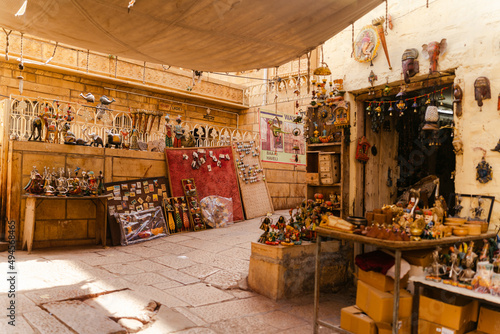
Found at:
(460, 231)
(474, 229)
(484, 225)
(453, 221)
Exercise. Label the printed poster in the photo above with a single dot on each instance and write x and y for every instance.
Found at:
(278, 145)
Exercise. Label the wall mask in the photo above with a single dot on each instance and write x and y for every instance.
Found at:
(457, 101)
(410, 64)
(432, 51)
(482, 90)
(362, 150)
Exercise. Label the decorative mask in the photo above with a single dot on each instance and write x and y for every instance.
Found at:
(431, 51)
(457, 102)
(410, 64)
(362, 150)
(458, 146)
(482, 90)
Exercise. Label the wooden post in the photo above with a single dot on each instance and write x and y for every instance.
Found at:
(29, 223)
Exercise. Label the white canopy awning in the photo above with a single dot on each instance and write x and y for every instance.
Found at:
(205, 35)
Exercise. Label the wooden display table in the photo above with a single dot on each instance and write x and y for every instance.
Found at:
(101, 203)
(396, 246)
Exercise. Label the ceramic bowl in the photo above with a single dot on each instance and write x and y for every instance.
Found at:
(460, 231)
(474, 229)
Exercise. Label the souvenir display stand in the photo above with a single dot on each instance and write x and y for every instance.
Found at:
(251, 178)
(193, 204)
(100, 202)
(133, 196)
(327, 154)
(395, 246)
(213, 170)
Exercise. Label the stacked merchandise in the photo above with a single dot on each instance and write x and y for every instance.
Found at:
(373, 311)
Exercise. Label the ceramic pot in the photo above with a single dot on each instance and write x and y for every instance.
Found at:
(484, 225)
(474, 229)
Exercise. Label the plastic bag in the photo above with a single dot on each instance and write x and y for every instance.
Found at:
(141, 226)
(217, 211)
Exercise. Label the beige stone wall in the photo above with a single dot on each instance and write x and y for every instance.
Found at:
(473, 51)
(66, 87)
(286, 182)
(152, 76)
(70, 222)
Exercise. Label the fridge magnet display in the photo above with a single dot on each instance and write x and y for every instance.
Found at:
(141, 226)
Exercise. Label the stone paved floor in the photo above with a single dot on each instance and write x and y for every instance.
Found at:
(186, 283)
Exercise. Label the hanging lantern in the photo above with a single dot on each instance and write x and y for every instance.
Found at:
(362, 150)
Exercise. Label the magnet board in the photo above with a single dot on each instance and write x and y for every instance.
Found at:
(133, 195)
(251, 178)
(209, 177)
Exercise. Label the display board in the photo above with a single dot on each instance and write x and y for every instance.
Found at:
(133, 196)
(253, 186)
(212, 168)
(279, 135)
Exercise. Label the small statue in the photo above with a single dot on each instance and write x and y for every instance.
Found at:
(134, 139)
(92, 183)
(467, 274)
(48, 189)
(168, 132)
(179, 132)
(35, 184)
(74, 187)
(100, 184)
(62, 184)
(454, 268)
(436, 269)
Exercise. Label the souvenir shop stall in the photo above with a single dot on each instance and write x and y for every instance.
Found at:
(68, 184)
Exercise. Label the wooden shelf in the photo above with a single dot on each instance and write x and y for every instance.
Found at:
(324, 144)
(324, 185)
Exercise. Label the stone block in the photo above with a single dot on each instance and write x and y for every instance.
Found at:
(168, 321)
(279, 189)
(51, 209)
(40, 161)
(200, 294)
(79, 209)
(45, 323)
(76, 315)
(280, 272)
(300, 177)
(275, 175)
(279, 203)
(297, 190)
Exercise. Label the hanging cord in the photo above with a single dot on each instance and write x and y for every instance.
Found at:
(6, 43)
(21, 65)
(53, 54)
(276, 91)
(352, 52)
(386, 32)
(427, 5)
(308, 72)
(88, 56)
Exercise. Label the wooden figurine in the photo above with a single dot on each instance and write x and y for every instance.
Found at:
(168, 132)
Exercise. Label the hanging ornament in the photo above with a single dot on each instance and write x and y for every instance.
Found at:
(391, 109)
(428, 101)
(362, 150)
(457, 102)
(484, 172)
(378, 109)
(379, 25)
(366, 44)
(341, 115)
(482, 90)
(369, 108)
(414, 105)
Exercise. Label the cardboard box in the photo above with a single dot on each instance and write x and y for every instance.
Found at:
(355, 321)
(454, 316)
(379, 304)
(489, 321)
(420, 257)
(404, 327)
(380, 281)
(427, 327)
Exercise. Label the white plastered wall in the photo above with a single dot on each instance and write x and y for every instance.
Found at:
(472, 29)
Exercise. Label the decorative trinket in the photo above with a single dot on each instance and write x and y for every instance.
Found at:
(484, 172)
(178, 132)
(410, 64)
(341, 115)
(457, 101)
(482, 90)
(379, 24)
(362, 150)
(431, 51)
(168, 132)
(366, 44)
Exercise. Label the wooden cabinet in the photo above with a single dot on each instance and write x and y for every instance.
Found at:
(328, 166)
